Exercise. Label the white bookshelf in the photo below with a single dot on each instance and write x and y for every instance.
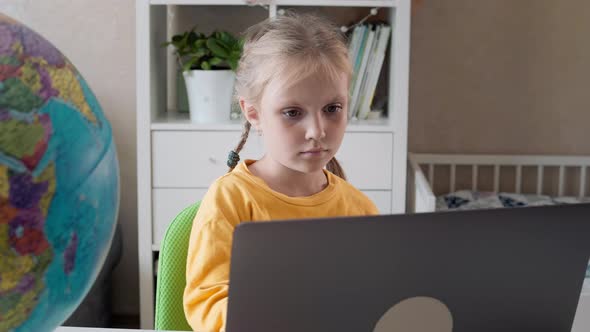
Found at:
(171, 176)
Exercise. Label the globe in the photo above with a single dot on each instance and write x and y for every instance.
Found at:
(59, 183)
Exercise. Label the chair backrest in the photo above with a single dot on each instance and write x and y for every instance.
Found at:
(171, 278)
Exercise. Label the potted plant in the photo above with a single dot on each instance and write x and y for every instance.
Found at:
(208, 64)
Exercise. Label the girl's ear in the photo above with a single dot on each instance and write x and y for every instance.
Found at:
(250, 113)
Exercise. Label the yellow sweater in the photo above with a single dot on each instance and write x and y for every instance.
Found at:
(237, 197)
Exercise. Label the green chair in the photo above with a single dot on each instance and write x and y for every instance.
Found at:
(171, 278)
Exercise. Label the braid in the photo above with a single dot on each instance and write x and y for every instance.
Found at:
(334, 167)
(234, 156)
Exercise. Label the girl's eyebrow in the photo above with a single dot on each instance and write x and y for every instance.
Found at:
(339, 98)
(293, 103)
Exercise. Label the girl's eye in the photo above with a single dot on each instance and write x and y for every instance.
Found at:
(291, 113)
(333, 109)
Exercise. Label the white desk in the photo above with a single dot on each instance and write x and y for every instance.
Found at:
(581, 321)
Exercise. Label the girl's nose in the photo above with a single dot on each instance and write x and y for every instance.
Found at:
(315, 128)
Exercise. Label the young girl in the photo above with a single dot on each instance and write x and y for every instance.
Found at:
(292, 85)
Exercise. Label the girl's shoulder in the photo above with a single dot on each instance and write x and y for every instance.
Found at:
(232, 182)
(346, 188)
(354, 197)
(226, 199)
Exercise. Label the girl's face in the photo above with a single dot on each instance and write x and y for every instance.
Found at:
(302, 124)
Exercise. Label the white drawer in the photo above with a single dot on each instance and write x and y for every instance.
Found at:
(367, 159)
(381, 198)
(192, 159)
(167, 204)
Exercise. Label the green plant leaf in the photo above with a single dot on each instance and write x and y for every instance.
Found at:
(227, 38)
(235, 54)
(186, 67)
(226, 45)
(183, 41)
(198, 53)
(205, 65)
(215, 61)
(200, 43)
(216, 34)
(176, 38)
(195, 50)
(190, 64)
(233, 64)
(192, 38)
(217, 48)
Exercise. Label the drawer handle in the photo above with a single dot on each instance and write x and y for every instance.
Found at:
(213, 160)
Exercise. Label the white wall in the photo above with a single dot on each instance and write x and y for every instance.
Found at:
(98, 37)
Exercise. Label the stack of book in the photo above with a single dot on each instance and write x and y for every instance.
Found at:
(367, 48)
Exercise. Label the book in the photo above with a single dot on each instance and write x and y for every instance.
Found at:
(374, 72)
(359, 38)
(364, 58)
(362, 38)
(353, 45)
(366, 75)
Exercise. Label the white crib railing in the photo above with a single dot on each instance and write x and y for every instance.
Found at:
(422, 197)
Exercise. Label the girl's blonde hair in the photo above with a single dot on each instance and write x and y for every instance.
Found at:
(291, 47)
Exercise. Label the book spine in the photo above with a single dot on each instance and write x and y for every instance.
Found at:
(362, 70)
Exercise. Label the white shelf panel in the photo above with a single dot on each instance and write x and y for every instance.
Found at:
(338, 3)
(199, 2)
(318, 3)
(181, 121)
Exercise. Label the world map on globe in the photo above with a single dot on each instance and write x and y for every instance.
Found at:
(59, 183)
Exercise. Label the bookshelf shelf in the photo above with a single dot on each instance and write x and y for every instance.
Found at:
(164, 137)
(338, 3)
(199, 2)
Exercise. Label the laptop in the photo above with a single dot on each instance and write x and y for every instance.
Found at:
(513, 269)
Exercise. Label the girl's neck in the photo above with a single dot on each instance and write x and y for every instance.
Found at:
(288, 181)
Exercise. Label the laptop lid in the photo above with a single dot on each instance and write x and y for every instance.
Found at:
(515, 269)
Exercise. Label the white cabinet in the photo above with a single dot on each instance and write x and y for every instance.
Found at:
(367, 159)
(194, 159)
(178, 160)
(167, 203)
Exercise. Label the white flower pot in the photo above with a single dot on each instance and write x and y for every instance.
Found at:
(209, 94)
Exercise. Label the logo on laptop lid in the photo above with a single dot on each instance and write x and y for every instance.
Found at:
(416, 314)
